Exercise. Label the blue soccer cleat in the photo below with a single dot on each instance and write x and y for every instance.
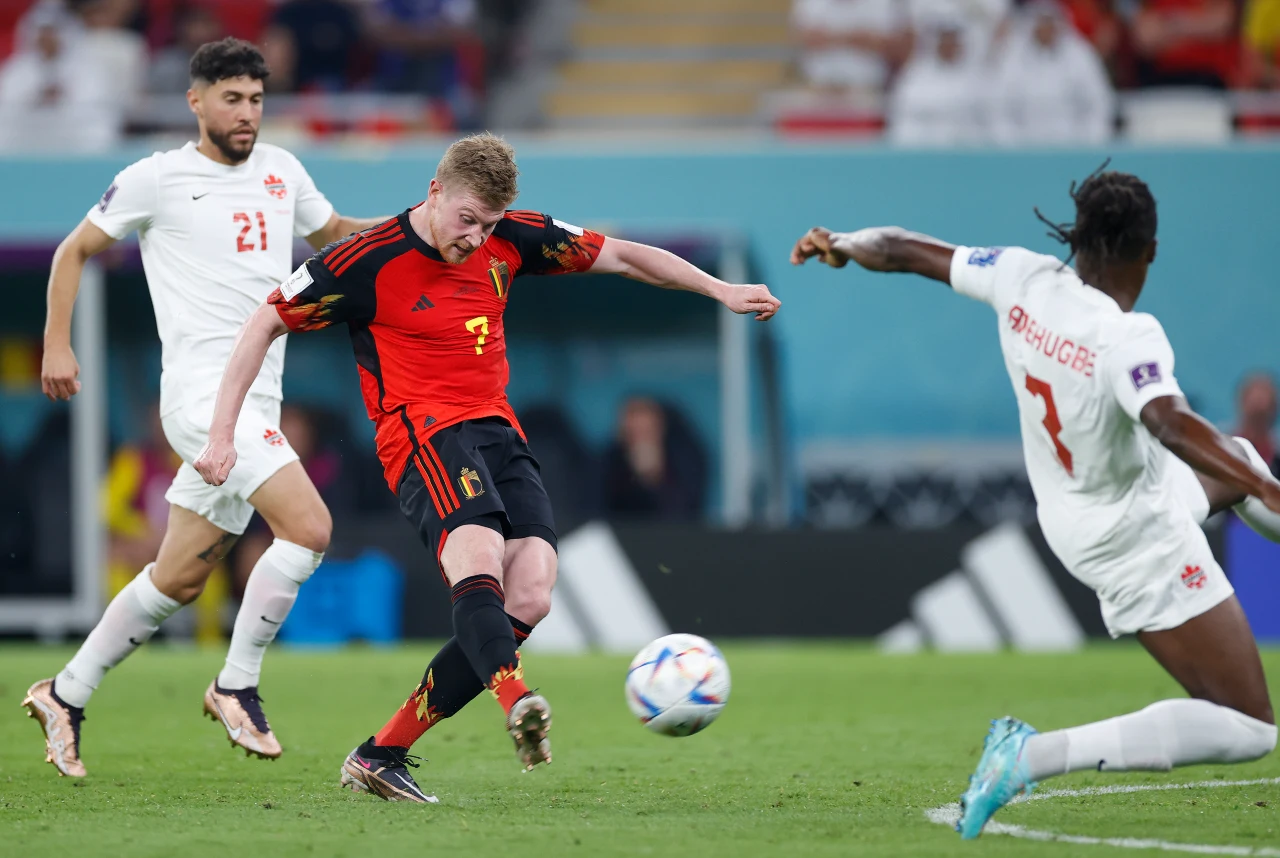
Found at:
(1001, 776)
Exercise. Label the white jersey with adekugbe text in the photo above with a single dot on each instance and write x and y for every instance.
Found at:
(216, 240)
(1082, 369)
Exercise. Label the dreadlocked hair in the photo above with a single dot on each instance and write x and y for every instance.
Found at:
(1115, 217)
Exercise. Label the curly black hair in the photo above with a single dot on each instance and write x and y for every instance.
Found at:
(1115, 217)
(215, 61)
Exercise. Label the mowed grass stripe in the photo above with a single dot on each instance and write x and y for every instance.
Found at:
(824, 749)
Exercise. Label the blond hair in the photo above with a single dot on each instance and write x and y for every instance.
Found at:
(484, 165)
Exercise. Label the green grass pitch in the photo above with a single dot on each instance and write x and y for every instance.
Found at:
(823, 750)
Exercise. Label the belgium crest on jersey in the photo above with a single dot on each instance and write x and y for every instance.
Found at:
(499, 276)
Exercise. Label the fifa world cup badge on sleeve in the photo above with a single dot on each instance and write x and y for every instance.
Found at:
(1144, 374)
(297, 281)
(985, 257)
(107, 196)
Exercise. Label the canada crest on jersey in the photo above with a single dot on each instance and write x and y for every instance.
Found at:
(499, 276)
(275, 186)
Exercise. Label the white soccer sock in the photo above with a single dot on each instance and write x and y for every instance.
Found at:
(272, 589)
(1252, 511)
(132, 617)
(1164, 735)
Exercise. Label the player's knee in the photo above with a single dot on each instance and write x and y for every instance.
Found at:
(181, 582)
(312, 531)
(529, 607)
(1251, 700)
(184, 592)
(473, 550)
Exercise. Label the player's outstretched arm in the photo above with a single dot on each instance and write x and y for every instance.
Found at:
(1197, 442)
(219, 455)
(880, 248)
(665, 270)
(340, 226)
(59, 372)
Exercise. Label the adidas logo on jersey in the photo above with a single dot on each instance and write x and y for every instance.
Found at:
(423, 304)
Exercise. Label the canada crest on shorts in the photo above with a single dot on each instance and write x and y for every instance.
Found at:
(1193, 577)
(470, 482)
(273, 437)
(499, 276)
(275, 186)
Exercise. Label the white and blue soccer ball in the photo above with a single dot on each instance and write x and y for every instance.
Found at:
(678, 684)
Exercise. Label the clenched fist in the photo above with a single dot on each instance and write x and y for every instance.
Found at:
(59, 373)
(216, 461)
(752, 299)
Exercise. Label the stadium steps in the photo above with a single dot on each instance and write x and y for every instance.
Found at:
(670, 63)
(659, 74)
(679, 7)
(626, 31)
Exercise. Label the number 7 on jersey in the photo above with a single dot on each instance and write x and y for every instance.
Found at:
(482, 323)
(1039, 388)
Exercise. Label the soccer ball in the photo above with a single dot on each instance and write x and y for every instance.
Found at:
(678, 684)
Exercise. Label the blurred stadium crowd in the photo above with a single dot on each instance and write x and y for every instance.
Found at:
(1019, 72)
(107, 67)
(937, 72)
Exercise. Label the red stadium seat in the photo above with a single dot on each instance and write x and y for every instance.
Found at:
(10, 14)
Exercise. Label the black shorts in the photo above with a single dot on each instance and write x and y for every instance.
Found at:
(475, 472)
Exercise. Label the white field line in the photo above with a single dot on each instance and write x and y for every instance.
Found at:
(948, 814)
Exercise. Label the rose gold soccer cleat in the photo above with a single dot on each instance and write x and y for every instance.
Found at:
(528, 723)
(61, 725)
(240, 712)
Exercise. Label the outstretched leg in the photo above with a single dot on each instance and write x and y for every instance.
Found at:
(1228, 720)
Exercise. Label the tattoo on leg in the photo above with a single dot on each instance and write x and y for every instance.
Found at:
(219, 549)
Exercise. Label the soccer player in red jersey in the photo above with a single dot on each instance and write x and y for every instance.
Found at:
(423, 296)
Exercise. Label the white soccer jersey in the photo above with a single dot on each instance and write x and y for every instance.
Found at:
(216, 240)
(1082, 370)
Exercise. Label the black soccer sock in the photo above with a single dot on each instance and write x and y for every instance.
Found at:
(521, 629)
(485, 634)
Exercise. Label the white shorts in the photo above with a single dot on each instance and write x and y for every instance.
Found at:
(261, 451)
(1153, 574)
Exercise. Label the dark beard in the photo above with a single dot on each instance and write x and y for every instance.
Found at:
(230, 150)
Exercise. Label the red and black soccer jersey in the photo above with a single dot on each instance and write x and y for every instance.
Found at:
(428, 336)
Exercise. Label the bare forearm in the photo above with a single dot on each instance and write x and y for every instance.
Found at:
(348, 225)
(894, 249)
(340, 226)
(64, 285)
(665, 270)
(250, 350)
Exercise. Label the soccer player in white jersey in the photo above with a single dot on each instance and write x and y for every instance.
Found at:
(216, 222)
(1110, 446)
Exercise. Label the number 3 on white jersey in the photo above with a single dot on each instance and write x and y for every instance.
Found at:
(1052, 424)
